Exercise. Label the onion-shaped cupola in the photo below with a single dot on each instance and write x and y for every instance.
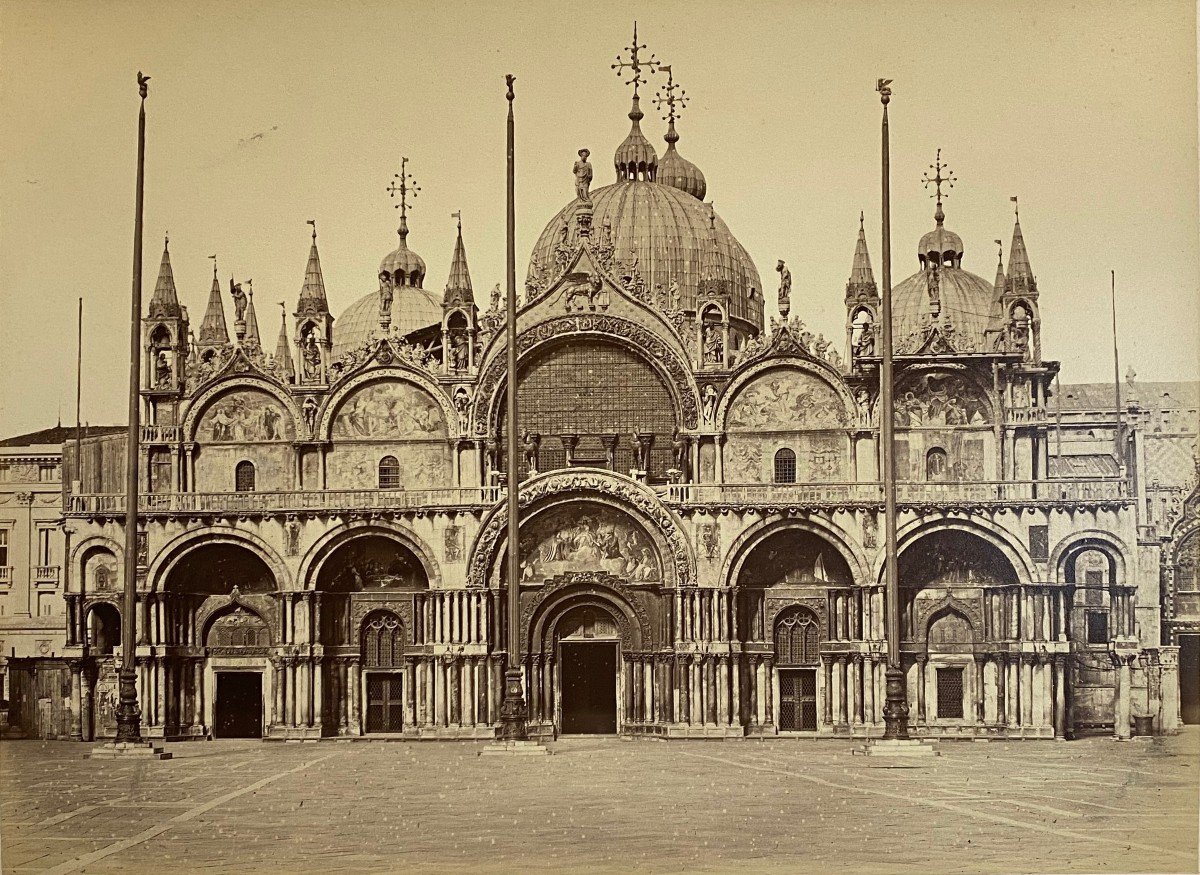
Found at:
(941, 247)
(635, 158)
(403, 266)
(675, 170)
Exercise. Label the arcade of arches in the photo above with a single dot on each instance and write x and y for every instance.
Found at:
(612, 643)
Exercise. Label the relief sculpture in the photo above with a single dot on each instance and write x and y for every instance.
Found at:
(939, 399)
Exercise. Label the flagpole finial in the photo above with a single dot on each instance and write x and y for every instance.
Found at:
(143, 85)
(313, 222)
(509, 79)
(883, 86)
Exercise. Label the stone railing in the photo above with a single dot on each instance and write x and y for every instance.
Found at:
(329, 500)
(46, 574)
(977, 492)
(5, 575)
(160, 434)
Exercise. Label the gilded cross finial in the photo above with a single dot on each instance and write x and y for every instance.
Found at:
(666, 96)
(937, 179)
(405, 187)
(635, 64)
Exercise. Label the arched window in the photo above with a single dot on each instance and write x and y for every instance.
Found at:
(243, 477)
(382, 641)
(389, 473)
(936, 464)
(797, 638)
(785, 466)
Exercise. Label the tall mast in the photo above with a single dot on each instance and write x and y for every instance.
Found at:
(895, 710)
(1118, 436)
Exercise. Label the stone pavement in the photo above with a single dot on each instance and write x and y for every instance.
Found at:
(603, 804)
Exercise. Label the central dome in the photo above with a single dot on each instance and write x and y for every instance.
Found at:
(670, 234)
(966, 304)
(412, 309)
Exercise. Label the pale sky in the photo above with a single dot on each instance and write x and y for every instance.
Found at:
(1087, 111)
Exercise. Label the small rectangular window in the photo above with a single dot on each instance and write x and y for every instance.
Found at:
(950, 693)
(45, 556)
(1097, 627)
(3, 547)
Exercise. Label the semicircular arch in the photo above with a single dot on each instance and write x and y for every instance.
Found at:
(1015, 552)
(329, 543)
(1069, 548)
(231, 385)
(657, 353)
(380, 375)
(839, 539)
(744, 380)
(174, 551)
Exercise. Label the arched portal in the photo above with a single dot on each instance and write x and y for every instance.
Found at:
(587, 647)
(950, 641)
(365, 568)
(797, 654)
(103, 629)
(382, 648)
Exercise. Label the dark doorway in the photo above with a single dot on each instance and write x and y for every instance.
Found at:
(798, 700)
(1189, 678)
(238, 705)
(589, 688)
(385, 702)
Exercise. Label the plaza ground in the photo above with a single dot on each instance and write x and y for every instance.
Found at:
(604, 804)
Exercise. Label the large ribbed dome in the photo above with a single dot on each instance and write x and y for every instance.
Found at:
(966, 303)
(412, 308)
(668, 231)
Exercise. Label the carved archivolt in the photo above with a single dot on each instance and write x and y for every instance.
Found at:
(776, 606)
(971, 608)
(659, 353)
(262, 606)
(584, 481)
(568, 591)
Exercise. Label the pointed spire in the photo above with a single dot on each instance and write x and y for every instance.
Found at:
(213, 330)
(312, 293)
(860, 270)
(164, 304)
(1018, 258)
(252, 341)
(285, 368)
(999, 287)
(458, 286)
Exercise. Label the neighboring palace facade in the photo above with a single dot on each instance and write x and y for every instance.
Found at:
(701, 513)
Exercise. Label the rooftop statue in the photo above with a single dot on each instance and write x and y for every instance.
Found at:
(583, 177)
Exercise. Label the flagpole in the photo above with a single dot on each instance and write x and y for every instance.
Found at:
(78, 399)
(1118, 436)
(895, 709)
(128, 714)
(512, 709)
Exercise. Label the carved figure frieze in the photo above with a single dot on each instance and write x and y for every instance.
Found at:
(939, 399)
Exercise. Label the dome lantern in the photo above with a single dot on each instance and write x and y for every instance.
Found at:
(940, 247)
(635, 158)
(675, 170)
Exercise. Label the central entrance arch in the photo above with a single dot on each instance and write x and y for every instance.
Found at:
(588, 644)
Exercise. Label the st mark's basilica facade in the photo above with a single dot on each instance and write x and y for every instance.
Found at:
(701, 544)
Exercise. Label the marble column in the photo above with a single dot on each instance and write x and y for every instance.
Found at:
(1121, 706)
(76, 701)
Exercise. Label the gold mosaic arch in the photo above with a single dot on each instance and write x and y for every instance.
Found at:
(170, 554)
(837, 537)
(1003, 540)
(200, 404)
(329, 543)
(761, 367)
(640, 502)
(657, 352)
(402, 374)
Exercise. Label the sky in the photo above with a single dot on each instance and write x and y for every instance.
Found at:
(264, 115)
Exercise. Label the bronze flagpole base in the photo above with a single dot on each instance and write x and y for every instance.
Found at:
(895, 708)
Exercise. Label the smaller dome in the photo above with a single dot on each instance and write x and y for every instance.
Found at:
(940, 247)
(635, 158)
(412, 309)
(402, 265)
(678, 172)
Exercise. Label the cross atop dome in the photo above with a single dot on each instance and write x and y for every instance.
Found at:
(406, 188)
(937, 180)
(634, 64)
(666, 96)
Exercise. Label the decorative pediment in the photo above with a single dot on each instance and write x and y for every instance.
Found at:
(937, 340)
(389, 351)
(241, 363)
